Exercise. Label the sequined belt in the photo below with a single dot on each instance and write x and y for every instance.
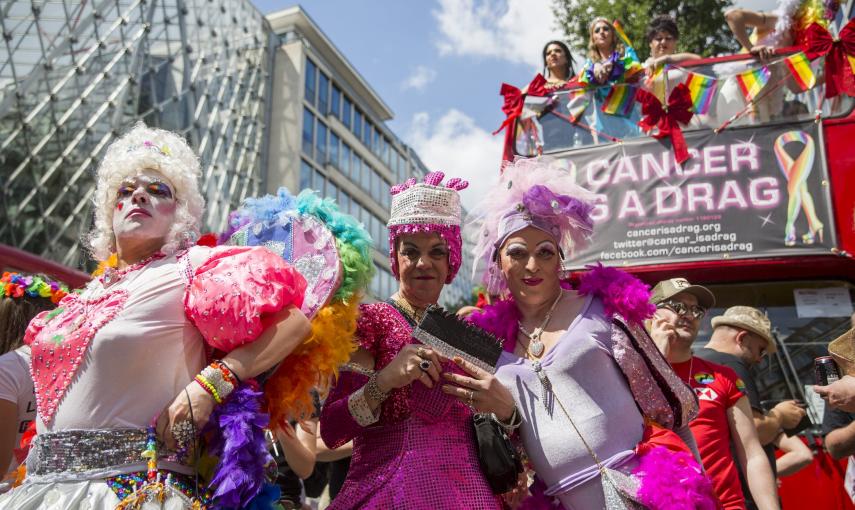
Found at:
(81, 451)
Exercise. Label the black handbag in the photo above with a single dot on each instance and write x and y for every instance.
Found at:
(499, 460)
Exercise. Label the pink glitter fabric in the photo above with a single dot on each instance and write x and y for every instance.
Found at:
(59, 340)
(450, 233)
(421, 454)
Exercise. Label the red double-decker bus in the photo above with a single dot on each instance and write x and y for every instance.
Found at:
(762, 212)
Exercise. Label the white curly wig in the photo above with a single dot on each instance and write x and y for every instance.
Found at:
(148, 148)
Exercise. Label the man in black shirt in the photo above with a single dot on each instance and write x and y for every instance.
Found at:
(740, 339)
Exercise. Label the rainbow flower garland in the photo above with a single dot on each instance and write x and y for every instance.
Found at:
(16, 285)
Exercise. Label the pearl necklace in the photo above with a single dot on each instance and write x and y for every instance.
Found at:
(535, 346)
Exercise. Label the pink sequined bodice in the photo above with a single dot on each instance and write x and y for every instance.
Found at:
(421, 454)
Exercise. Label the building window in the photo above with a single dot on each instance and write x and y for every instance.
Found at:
(323, 93)
(366, 134)
(357, 124)
(308, 132)
(334, 142)
(311, 71)
(332, 190)
(318, 182)
(345, 160)
(347, 109)
(365, 176)
(344, 202)
(335, 101)
(321, 143)
(305, 175)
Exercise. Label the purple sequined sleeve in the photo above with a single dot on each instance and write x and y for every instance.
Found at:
(337, 424)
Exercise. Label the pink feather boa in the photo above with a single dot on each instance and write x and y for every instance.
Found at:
(621, 293)
(673, 481)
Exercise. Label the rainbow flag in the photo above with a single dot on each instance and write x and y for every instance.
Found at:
(752, 81)
(702, 89)
(577, 103)
(621, 33)
(620, 100)
(799, 67)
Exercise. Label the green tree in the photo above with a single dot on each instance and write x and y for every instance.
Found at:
(703, 29)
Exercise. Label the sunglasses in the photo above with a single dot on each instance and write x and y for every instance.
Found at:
(681, 309)
(602, 28)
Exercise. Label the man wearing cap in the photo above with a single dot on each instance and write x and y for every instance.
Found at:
(725, 412)
(740, 339)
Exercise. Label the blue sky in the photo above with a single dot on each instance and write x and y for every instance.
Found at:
(439, 65)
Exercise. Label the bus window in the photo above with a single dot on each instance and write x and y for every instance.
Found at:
(803, 330)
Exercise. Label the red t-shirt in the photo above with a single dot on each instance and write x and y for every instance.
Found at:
(718, 389)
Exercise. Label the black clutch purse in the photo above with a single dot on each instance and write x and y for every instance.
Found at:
(451, 336)
(499, 460)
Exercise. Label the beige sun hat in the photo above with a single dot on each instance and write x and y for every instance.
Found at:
(749, 319)
(842, 349)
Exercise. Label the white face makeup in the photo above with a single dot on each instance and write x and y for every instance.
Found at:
(145, 207)
(530, 262)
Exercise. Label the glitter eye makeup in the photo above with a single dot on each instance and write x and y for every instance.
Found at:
(159, 189)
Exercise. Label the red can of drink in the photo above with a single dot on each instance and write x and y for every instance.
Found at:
(825, 370)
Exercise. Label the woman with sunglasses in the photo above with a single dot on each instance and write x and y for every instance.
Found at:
(124, 372)
(725, 413)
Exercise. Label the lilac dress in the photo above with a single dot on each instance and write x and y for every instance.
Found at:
(593, 389)
(421, 454)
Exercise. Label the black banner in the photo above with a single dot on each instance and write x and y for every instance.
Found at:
(744, 193)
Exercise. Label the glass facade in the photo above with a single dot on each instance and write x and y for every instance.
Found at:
(76, 75)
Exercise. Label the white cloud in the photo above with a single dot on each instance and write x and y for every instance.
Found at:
(420, 78)
(455, 145)
(511, 30)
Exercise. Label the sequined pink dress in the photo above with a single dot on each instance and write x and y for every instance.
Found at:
(421, 454)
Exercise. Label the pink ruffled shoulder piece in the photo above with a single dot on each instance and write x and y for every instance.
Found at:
(233, 292)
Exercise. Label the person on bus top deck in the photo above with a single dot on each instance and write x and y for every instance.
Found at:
(662, 37)
(725, 411)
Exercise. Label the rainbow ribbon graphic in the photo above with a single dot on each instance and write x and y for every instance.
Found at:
(797, 172)
(702, 89)
(799, 67)
(620, 100)
(752, 81)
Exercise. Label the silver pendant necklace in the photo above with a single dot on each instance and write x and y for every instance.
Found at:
(535, 345)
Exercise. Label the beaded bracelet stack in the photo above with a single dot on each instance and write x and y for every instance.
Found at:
(218, 380)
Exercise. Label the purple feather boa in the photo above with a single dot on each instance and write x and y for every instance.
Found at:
(237, 438)
(673, 481)
(622, 294)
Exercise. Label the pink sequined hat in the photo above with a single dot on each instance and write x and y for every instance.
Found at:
(428, 206)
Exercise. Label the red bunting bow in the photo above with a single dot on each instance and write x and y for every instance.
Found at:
(667, 120)
(512, 108)
(839, 78)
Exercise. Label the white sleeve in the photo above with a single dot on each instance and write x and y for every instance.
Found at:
(12, 377)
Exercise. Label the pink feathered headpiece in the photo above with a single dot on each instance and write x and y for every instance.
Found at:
(531, 193)
(428, 206)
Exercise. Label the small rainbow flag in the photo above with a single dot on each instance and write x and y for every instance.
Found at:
(577, 103)
(799, 67)
(752, 81)
(702, 89)
(621, 33)
(620, 100)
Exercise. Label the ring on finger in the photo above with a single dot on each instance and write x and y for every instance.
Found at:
(184, 432)
(471, 397)
(425, 365)
(421, 352)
